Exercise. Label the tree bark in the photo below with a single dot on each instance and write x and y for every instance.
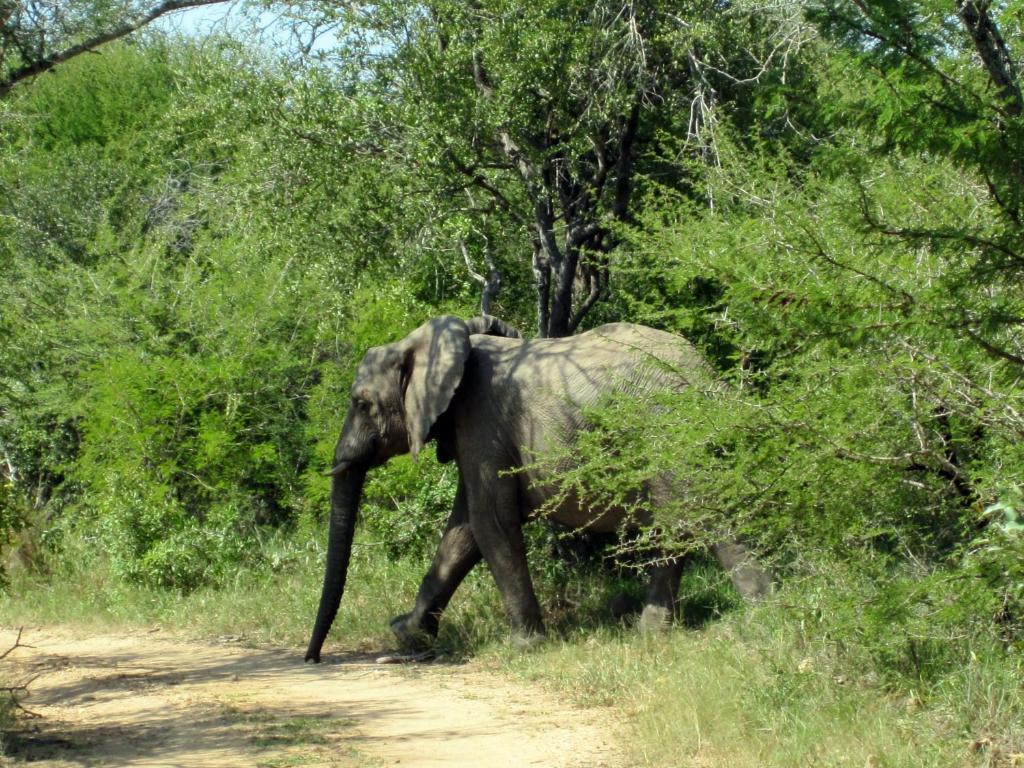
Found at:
(995, 56)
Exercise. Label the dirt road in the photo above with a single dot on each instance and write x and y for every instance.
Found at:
(143, 699)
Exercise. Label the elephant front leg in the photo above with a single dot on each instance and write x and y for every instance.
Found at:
(455, 557)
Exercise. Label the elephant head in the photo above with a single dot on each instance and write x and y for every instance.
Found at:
(400, 391)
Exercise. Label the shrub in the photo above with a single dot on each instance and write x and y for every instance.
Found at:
(406, 504)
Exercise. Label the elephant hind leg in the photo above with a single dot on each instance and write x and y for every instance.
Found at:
(659, 604)
(750, 579)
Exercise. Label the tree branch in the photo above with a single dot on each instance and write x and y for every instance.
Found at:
(17, 644)
(624, 165)
(489, 285)
(14, 690)
(471, 172)
(819, 250)
(598, 279)
(906, 233)
(44, 63)
(949, 84)
(542, 274)
(992, 349)
(991, 47)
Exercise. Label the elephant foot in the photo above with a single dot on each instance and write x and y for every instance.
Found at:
(407, 658)
(750, 579)
(413, 636)
(527, 641)
(655, 618)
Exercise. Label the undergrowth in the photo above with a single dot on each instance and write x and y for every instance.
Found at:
(846, 666)
(790, 682)
(6, 713)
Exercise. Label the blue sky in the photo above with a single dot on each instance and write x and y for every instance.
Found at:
(229, 17)
(201, 20)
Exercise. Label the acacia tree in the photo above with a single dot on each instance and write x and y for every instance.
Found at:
(543, 116)
(37, 35)
(942, 76)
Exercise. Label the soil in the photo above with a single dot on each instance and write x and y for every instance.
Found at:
(147, 699)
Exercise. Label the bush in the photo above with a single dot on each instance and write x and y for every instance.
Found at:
(406, 504)
(149, 539)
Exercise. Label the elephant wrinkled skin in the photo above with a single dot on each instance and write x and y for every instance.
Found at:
(492, 402)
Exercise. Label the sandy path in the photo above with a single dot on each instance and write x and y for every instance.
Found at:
(143, 699)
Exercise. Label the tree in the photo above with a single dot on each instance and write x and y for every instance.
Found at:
(543, 116)
(942, 77)
(37, 35)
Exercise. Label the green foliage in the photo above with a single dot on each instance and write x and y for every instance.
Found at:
(188, 455)
(406, 504)
(517, 132)
(198, 242)
(113, 105)
(868, 438)
(179, 352)
(771, 694)
(931, 82)
(996, 560)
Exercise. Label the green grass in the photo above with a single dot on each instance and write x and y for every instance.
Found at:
(274, 604)
(719, 698)
(814, 677)
(760, 688)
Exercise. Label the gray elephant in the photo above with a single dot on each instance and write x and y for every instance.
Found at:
(492, 402)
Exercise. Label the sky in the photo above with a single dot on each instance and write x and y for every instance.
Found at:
(201, 20)
(229, 17)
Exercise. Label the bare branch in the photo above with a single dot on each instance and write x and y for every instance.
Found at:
(17, 644)
(597, 277)
(542, 276)
(624, 164)
(13, 690)
(490, 285)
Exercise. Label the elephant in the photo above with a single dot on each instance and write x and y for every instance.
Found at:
(492, 401)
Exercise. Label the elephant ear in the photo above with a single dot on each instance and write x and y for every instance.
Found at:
(435, 356)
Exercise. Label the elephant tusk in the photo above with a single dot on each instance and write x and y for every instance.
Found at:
(337, 469)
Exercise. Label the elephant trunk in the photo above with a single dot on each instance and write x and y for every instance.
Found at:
(346, 489)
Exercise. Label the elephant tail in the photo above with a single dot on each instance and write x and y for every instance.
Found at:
(488, 325)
